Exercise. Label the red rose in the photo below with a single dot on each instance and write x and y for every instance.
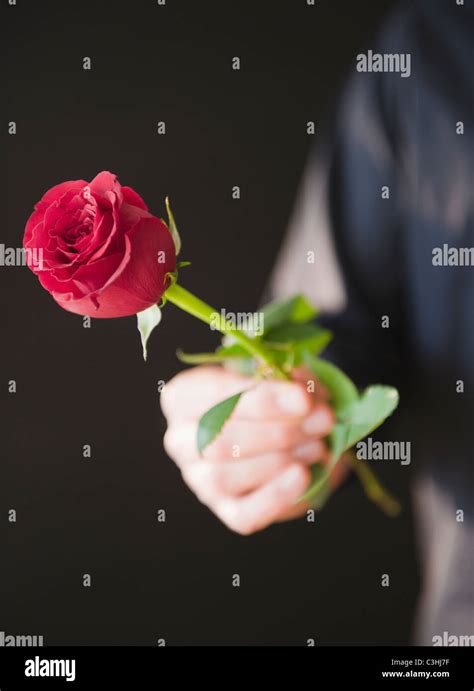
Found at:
(102, 254)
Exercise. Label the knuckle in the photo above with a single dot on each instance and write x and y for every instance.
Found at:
(207, 481)
(174, 391)
(168, 398)
(191, 479)
(170, 442)
(235, 519)
(214, 479)
(245, 529)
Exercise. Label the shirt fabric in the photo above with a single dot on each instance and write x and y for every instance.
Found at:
(393, 181)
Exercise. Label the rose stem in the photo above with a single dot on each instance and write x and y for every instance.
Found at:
(191, 304)
(373, 489)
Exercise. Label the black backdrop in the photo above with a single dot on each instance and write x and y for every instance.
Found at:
(79, 386)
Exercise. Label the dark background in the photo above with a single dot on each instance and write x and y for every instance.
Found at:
(81, 386)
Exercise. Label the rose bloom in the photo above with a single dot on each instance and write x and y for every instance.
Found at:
(103, 253)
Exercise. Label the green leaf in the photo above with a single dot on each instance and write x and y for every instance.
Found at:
(300, 337)
(363, 416)
(354, 422)
(341, 389)
(356, 416)
(146, 322)
(211, 423)
(320, 478)
(232, 350)
(295, 310)
(289, 332)
(172, 228)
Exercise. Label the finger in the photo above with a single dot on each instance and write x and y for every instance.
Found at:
(258, 509)
(243, 438)
(193, 391)
(211, 480)
(273, 400)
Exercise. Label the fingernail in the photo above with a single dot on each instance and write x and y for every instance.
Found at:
(317, 421)
(291, 400)
(291, 478)
(309, 451)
